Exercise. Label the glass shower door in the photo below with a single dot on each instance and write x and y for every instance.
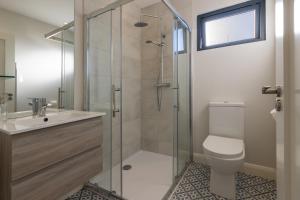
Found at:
(182, 137)
(104, 89)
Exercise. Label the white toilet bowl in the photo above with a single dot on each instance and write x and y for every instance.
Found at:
(224, 147)
(225, 156)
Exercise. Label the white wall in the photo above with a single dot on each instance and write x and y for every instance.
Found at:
(237, 73)
(38, 60)
(79, 55)
(234, 73)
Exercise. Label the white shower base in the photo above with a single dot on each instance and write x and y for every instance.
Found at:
(150, 177)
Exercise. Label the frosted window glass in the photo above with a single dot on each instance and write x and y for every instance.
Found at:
(231, 29)
(181, 40)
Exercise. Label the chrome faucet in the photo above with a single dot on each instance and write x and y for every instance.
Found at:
(42, 112)
(39, 106)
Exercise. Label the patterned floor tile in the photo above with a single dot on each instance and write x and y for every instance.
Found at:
(91, 192)
(194, 185)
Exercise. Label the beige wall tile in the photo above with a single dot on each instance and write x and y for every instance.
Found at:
(157, 126)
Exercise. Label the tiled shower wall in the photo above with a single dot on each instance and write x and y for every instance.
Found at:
(144, 127)
(157, 126)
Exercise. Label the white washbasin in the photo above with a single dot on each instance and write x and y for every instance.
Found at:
(19, 125)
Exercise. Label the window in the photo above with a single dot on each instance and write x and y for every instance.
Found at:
(182, 39)
(238, 24)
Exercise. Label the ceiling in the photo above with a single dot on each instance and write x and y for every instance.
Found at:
(55, 12)
(146, 3)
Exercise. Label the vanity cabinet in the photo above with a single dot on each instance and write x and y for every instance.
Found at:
(46, 164)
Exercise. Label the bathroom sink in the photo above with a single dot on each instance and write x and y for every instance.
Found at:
(19, 125)
(50, 118)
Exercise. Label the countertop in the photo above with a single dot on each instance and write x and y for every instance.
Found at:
(25, 124)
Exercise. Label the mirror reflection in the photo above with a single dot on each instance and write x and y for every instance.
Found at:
(36, 53)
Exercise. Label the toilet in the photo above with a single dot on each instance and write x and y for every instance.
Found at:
(224, 147)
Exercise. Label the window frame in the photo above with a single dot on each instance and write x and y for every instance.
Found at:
(258, 5)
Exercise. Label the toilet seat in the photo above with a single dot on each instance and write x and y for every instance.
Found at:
(222, 147)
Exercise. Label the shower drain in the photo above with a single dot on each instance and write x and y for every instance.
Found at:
(127, 167)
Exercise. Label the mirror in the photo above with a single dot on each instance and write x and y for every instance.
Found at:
(37, 52)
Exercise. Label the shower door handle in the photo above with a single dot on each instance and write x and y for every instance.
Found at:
(177, 97)
(114, 107)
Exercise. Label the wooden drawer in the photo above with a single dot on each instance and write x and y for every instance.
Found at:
(54, 182)
(42, 148)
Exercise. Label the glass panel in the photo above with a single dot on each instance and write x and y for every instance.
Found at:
(116, 120)
(228, 29)
(181, 41)
(67, 83)
(147, 100)
(100, 86)
(183, 123)
(181, 98)
(175, 99)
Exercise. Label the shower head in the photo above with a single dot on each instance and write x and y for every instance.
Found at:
(155, 43)
(141, 24)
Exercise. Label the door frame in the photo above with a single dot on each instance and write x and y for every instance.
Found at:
(284, 78)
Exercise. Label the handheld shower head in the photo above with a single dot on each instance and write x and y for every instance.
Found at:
(156, 43)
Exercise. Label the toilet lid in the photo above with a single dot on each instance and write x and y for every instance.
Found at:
(223, 147)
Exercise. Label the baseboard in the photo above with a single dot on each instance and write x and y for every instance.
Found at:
(258, 170)
(248, 168)
(199, 157)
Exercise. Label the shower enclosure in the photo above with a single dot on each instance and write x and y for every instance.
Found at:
(138, 60)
